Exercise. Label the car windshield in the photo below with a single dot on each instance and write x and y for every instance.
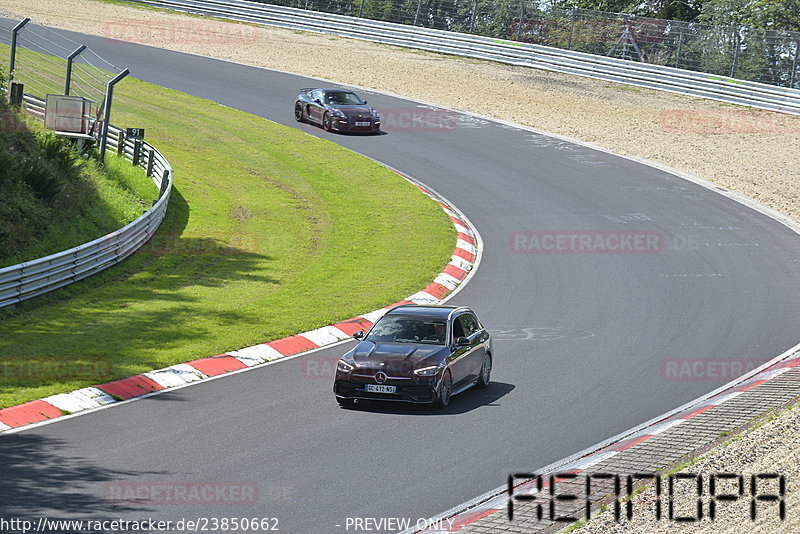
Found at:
(343, 99)
(406, 329)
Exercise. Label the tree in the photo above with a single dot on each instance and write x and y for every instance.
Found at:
(776, 15)
(686, 10)
(727, 12)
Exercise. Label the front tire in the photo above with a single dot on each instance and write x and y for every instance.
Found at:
(445, 389)
(326, 122)
(299, 113)
(486, 371)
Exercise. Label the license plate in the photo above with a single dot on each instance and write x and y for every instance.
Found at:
(377, 388)
(362, 124)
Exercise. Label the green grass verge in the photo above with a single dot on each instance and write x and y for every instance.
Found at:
(270, 232)
(108, 198)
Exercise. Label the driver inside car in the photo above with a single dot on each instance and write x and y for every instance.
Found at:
(436, 333)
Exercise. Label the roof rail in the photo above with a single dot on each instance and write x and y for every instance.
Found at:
(403, 305)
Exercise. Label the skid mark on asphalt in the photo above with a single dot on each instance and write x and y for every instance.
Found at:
(575, 152)
(537, 333)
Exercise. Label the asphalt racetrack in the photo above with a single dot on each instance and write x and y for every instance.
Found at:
(584, 337)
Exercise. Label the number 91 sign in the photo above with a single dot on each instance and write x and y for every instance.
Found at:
(134, 133)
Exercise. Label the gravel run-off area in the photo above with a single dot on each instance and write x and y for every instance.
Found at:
(756, 153)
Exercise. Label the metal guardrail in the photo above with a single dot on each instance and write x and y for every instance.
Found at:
(650, 76)
(36, 277)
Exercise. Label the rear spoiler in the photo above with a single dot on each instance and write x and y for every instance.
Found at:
(307, 89)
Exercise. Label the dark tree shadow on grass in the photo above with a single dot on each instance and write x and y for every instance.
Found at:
(171, 273)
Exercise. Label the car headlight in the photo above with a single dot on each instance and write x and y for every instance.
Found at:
(376, 114)
(338, 113)
(344, 366)
(428, 371)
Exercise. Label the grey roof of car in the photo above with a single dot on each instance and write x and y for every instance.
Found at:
(417, 310)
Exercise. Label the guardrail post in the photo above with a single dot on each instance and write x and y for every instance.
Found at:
(794, 64)
(164, 182)
(120, 143)
(150, 162)
(107, 111)
(13, 58)
(137, 150)
(70, 59)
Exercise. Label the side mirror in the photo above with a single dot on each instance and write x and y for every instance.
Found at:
(365, 101)
(359, 335)
(462, 341)
(318, 101)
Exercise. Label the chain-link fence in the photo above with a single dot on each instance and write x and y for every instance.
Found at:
(767, 56)
(47, 62)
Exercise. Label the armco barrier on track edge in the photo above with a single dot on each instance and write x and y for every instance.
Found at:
(639, 74)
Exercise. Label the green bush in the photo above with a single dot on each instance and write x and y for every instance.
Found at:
(53, 197)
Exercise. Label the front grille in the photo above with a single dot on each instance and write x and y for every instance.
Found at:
(410, 393)
(369, 376)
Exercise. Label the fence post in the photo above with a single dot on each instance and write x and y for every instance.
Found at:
(70, 59)
(137, 151)
(519, 22)
(17, 94)
(107, 111)
(13, 58)
(150, 156)
(121, 143)
(416, 15)
(794, 63)
(474, 15)
(360, 8)
(735, 51)
(680, 47)
(164, 182)
(571, 27)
